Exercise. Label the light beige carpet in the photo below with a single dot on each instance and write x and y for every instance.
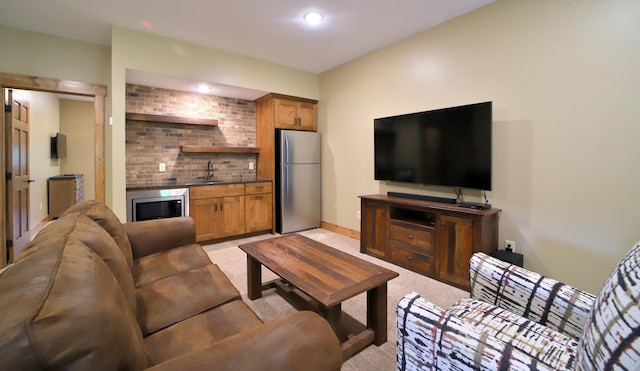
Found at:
(232, 261)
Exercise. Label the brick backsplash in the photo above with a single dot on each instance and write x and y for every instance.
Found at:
(150, 143)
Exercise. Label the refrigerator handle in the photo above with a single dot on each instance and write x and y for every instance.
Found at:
(287, 181)
(286, 150)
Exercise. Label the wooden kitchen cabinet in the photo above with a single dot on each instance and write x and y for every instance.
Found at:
(430, 238)
(295, 114)
(226, 210)
(276, 111)
(217, 210)
(258, 206)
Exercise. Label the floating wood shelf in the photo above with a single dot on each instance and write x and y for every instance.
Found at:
(170, 119)
(218, 149)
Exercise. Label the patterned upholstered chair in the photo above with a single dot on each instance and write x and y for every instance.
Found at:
(519, 320)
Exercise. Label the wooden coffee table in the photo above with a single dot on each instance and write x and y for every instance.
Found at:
(328, 277)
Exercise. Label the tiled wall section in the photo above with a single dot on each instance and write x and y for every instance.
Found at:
(150, 143)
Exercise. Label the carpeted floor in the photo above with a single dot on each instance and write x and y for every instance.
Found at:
(232, 261)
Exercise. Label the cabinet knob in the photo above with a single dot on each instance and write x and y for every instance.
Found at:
(410, 258)
(410, 236)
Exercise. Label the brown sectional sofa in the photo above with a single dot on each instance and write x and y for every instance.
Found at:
(91, 293)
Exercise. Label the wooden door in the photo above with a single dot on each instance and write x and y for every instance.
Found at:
(17, 167)
(308, 116)
(259, 212)
(230, 216)
(202, 211)
(286, 114)
(455, 247)
(373, 228)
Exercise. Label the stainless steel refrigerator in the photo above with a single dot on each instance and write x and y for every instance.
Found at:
(297, 180)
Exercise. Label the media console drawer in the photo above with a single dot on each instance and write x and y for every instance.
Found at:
(422, 263)
(420, 237)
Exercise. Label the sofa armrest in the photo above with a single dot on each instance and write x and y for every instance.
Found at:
(152, 236)
(530, 295)
(298, 341)
(431, 339)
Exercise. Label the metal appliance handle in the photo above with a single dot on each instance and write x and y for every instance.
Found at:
(286, 150)
(287, 181)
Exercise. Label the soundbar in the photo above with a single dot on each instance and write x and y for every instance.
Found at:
(443, 200)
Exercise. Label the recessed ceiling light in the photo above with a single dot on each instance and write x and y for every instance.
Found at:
(313, 18)
(203, 88)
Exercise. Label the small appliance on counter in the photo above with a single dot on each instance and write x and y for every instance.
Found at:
(157, 204)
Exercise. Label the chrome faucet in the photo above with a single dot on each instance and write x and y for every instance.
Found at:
(209, 170)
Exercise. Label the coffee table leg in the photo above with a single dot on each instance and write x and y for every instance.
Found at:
(377, 313)
(254, 278)
(332, 315)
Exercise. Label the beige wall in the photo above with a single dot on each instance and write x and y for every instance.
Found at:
(76, 122)
(37, 54)
(564, 82)
(44, 123)
(142, 51)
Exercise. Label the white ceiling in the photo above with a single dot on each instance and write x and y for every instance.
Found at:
(272, 31)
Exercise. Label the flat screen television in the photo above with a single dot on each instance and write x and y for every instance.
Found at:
(444, 147)
(59, 146)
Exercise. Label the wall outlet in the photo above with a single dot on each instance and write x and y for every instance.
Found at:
(162, 167)
(251, 165)
(358, 214)
(510, 245)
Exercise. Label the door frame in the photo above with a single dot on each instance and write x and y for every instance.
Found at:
(49, 85)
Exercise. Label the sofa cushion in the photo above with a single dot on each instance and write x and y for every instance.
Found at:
(101, 214)
(200, 331)
(548, 346)
(63, 309)
(612, 334)
(180, 296)
(100, 242)
(151, 268)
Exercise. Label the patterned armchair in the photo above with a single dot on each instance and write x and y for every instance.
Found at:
(520, 320)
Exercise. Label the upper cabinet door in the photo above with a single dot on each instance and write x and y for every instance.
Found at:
(307, 116)
(286, 114)
(295, 115)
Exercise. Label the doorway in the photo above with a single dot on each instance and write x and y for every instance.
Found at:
(23, 82)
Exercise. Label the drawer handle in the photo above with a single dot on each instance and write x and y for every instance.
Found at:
(259, 187)
(410, 258)
(258, 197)
(410, 236)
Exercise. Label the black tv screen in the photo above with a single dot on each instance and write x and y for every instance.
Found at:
(445, 147)
(59, 146)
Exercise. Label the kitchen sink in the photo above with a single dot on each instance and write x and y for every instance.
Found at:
(204, 182)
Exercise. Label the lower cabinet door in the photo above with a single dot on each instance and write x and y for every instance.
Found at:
(229, 218)
(259, 214)
(202, 211)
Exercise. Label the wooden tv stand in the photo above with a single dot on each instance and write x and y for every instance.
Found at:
(434, 239)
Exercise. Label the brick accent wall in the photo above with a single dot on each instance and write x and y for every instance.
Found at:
(150, 143)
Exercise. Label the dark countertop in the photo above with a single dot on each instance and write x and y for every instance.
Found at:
(195, 183)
